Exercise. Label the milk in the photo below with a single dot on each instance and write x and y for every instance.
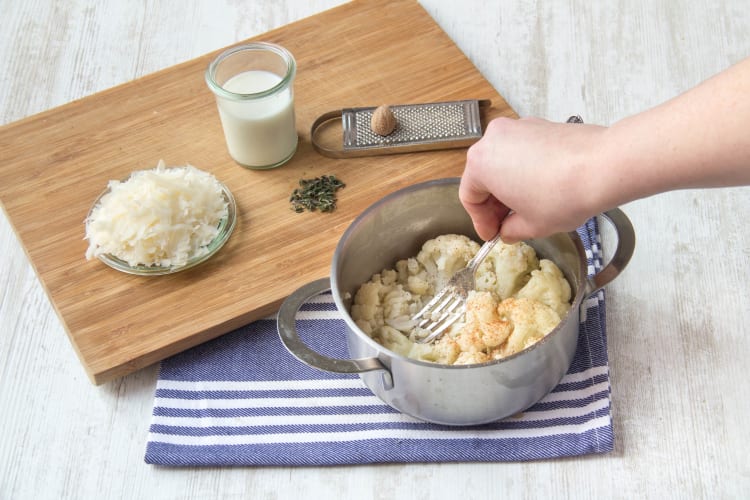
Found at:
(260, 133)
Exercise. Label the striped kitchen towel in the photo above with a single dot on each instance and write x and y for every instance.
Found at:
(242, 399)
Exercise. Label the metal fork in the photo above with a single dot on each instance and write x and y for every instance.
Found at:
(449, 304)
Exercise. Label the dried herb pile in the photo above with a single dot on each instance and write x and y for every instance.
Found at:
(316, 194)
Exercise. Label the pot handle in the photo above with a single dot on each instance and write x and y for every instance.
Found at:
(623, 252)
(290, 338)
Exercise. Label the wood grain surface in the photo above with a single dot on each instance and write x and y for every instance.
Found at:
(57, 162)
(677, 318)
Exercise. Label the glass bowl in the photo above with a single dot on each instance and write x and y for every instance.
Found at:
(226, 226)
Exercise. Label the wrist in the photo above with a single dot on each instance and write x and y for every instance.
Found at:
(623, 164)
(600, 171)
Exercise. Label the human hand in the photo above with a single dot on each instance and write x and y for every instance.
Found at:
(531, 178)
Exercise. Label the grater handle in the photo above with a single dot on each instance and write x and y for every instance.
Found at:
(317, 146)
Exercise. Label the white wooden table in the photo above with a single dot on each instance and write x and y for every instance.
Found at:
(678, 319)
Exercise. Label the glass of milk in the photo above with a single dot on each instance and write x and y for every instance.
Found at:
(253, 85)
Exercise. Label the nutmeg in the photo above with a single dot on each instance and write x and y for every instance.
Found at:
(383, 122)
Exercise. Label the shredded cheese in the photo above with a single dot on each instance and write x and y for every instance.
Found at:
(158, 217)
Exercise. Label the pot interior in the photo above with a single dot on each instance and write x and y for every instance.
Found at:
(398, 225)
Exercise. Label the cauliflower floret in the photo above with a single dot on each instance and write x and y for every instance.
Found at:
(363, 325)
(367, 303)
(511, 266)
(368, 294)
(418, 285)
(412, 266)
(480, 308)
(422, 352)
(447, 350)
(531, 321)
(393, 339)
(549, 286)
(389, 277)
(403, 271)
(396, 302)
(484, 328)
(444, 255)
(403, 323)
(444, 351)
(471, 358)
(470, 339)
(364, 312)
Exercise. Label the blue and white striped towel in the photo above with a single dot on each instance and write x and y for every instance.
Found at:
(242, 399)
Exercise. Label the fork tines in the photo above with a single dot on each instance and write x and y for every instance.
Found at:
(440, 313)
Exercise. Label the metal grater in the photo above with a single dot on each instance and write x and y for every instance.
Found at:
(420, 127)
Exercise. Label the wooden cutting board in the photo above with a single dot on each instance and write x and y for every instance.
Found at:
(54, 165)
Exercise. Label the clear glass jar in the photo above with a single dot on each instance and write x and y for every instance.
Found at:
(254, 89)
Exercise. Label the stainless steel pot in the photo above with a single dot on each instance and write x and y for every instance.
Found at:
(395, 228)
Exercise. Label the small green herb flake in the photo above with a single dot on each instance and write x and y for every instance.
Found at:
(316, 194)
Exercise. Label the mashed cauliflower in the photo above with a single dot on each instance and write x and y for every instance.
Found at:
(518, 300)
